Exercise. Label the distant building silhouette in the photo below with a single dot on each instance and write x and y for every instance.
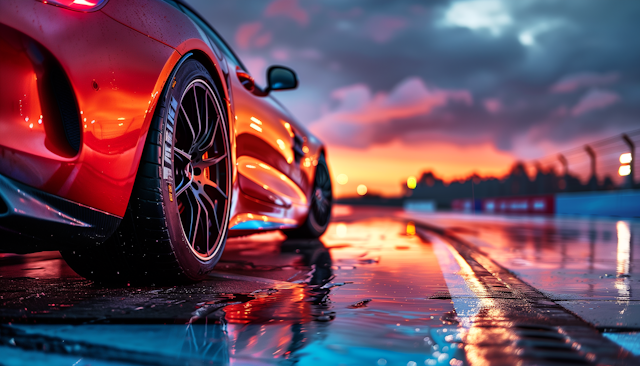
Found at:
(516, 183)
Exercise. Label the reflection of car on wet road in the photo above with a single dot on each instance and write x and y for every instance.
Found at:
(134, 141)
(375, 289)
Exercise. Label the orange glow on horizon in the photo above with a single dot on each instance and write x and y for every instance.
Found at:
(384, 169)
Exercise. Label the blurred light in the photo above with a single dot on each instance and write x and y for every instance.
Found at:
(288, 127)
(625, 158)
(411, 182)
(624, 247)
(623, 260)
(256, 127)
(362, 189)
(121, 118)
(411, 229)
(264, 166)
(254, 119)
(342, 179)
(280, 144)
(251, 166)
(624, 170)
(341, 230)
(305, 149)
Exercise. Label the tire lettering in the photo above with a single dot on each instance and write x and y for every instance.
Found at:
(168, 144)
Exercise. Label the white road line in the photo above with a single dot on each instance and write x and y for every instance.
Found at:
(466, 294)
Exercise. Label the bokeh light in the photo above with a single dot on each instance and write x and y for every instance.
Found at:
(624, 170)
(412, 182)
(362, 189)
(625, 158)
(411, 228)
(342, 179)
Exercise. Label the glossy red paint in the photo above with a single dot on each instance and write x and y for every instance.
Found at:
(118, 60)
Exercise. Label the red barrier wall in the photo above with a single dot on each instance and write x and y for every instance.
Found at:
(518, 205)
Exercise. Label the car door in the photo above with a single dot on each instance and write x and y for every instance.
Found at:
(268, 145)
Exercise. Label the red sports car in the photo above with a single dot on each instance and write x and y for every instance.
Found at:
(133, 140)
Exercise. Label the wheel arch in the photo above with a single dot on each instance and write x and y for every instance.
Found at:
(165, 78)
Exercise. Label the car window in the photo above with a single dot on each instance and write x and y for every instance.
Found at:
(213, 35)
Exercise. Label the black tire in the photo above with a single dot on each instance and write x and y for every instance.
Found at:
(320, 207)
(177, 221)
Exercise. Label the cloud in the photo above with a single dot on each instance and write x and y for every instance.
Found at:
(410, 98)
(362, 118)
(492, 105)
(491, 15)
(288, 9)
(574, 82)
(383, 28)
(594, 99)
(529, 67)
(246, 33)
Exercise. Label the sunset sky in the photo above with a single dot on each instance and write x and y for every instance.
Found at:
(395, 88)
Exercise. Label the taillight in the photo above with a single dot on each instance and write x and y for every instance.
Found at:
(79, 5)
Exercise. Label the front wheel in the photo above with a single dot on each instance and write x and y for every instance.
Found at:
(177, 221)
(320, 206)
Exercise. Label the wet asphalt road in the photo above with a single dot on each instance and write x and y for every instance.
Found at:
(381, 287)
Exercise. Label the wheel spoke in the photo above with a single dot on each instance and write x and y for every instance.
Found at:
(213, 136)
(196, 139)
(215, 215)
(182, 153)
(181, 190)
(193, 134)
(197, 221)
(198, 196)
(214, 185)
(213, 206)
(193, 216)
(210, 162)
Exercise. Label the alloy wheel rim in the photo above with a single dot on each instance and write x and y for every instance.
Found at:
(321, 201)
(201, 169)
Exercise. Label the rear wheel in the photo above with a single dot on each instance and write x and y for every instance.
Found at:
(177, 221)
(320, 207)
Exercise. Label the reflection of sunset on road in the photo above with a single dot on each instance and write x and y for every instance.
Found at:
(383, 314)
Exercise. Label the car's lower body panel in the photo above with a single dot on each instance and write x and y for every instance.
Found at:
(33, 220)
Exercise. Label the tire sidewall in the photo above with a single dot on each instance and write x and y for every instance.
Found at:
(194, 268)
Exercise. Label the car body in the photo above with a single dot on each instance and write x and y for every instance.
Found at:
(77, 99)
